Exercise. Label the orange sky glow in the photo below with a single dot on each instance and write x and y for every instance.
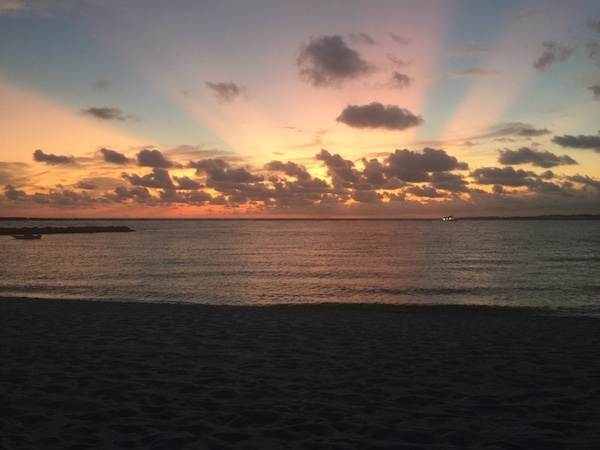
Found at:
(299, 110)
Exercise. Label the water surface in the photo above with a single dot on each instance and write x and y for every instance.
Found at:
(550, 263)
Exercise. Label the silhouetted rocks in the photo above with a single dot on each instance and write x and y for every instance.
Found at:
(64, 230)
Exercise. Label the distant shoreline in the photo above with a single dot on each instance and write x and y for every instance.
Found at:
(63, 230)
(540, 217)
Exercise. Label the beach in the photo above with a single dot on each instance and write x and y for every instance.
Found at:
(81, 374)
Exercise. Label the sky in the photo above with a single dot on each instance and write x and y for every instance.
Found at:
(274, 108)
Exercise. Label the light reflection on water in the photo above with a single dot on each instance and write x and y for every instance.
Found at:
(514, 263)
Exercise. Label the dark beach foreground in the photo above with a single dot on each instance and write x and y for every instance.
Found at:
(77, 374)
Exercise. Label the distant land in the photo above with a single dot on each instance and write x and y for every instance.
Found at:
(540, 217)
(63, 230)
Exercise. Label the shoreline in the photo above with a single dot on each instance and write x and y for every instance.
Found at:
(115, 374)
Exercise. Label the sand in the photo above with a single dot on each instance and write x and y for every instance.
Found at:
(77, 374)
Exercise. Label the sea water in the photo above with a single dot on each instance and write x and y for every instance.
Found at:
(520, 263)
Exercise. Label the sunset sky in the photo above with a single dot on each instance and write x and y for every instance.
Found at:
(274, 108)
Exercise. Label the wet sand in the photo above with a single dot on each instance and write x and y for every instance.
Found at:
(77, 374)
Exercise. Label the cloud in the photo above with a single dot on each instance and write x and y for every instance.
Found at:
(86, 185)
(449, 181)
(290, 168)
(139, 194)
(220, 176)
(593, 25)
(376, 115)
(101, 84)
(585, 180)
(51, 159)
(526, 155)
(425, 191)
(107, 113)
(209, 165)
(400, 80)
(362, 38)
(327, 60)
(397, 61)
(596, 91)
(593, 48)
(515, 129)
(580, 142)
(506, 176)
(415, 167)
(153, 158)
(552, 53)
(226, 92)
(114, 157)
(339, 168)
(187, 183)
(399, 39)
(158, 179)
(11, 193)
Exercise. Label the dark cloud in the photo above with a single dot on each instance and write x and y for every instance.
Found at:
(187, 183)
(158, 179)
(86, 185)
(196, 198)
(580, 142)
(139, 194)
(515, 129)
(11, 193)
(327, 60)
(226, 91)
(209, 165)
(593, 49)
(65, 198)
(362, 38)
(593, 25)
(340, 169)
(425, 191)
(449, 182)
(506, 176)
(112, 156)
(363, 196)
(236, 182)
(400, 80)
(414, 167)
(526, 155)
(153, 158)
(106, 113)
(374, 172)
(552, 53)
(376, 115)
(585, 180)
(596, 91)
(51, 159)
(290, 168)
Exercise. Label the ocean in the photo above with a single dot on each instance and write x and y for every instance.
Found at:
(551, 264)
